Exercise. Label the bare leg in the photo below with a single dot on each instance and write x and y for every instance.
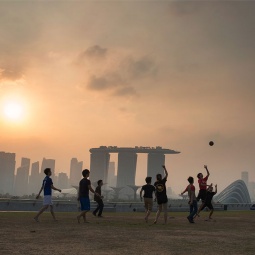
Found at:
(147, 215)
(40, 212)
(52, 212)
(210, 215)
(158, 213)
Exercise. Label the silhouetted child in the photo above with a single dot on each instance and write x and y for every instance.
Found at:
(98, 199)
(192, 199)
(202, 187)
(148, 190)
(47, 187)
(161, 196)
(83, 195)
(208, 200)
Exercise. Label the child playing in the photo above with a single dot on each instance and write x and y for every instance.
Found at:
(192, 199)
(202, 186)
(208, 200)
(161, 196)
(148, 196)
(47, 187)
(100, 204)
(83, 195)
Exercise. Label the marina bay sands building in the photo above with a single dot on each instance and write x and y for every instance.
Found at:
(127, 161)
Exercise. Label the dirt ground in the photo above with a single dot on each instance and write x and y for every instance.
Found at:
(127, 233)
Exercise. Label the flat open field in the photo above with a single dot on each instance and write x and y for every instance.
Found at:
(231, 232)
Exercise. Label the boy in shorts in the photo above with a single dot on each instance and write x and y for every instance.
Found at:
(161, 196)
(83, 195)
(208, 200)
(148, 196)
(202, 187)
(47, 187)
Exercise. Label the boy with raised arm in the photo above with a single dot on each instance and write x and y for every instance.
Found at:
(161, 196)
(47, 188)
(202, 186)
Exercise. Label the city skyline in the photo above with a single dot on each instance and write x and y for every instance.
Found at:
(27, 178)
(175, 74)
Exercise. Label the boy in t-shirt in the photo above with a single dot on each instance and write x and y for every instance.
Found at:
(47, 187)
(83, 195)
(202, 187)
(192, 199)
(161, 196)
(148, 190)
(100, 204)
(208, 200)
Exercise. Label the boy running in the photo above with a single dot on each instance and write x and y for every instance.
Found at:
(208, 200)
(160, 186)
(192, 199)
(148, 197)
(100, 204)
(47, 187)
(83, 195)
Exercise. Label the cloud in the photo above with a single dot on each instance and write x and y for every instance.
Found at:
(94, 52)
(126, 91)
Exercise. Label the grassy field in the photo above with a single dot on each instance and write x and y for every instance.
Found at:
(230, 232)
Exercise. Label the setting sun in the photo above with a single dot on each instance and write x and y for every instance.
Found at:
(13, 110)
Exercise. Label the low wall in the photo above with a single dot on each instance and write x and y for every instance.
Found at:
(73, 206)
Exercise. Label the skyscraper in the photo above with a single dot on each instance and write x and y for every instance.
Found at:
(21, 179)
(49, 163)
(7, 169)
(35, 182)
(75, 172)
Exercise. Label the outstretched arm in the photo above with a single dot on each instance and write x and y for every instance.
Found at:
(55, 188)
(90, 188)
(166, 173)
(205, 166)
(184, 191)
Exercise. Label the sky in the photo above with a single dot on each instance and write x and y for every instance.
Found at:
(76, 75)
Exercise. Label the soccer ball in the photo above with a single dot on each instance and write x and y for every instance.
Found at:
(211, 143)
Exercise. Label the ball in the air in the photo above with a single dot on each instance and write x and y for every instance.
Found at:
(211, 143)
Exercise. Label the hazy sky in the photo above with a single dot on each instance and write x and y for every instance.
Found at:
(175, 74)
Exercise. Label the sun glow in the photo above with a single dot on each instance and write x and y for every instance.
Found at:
(13, 111)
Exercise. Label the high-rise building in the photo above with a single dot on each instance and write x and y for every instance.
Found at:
(35, 182)
(62, 181)
(112, 178)
(154, 164)
(21, 180)
(7, 170)
(99, 163)
(126, 168)
(49, 163)
(75, 172)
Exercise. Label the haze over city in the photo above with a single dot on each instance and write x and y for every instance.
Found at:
(76, 75)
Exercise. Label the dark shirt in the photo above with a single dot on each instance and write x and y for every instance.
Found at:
(209, 196)
(47, 182)
(84, 187)
(161, 191)
(98, 190)
(148, 190)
